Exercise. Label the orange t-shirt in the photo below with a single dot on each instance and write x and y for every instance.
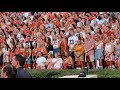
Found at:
(79, 48)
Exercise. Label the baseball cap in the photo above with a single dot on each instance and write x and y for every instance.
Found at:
(82, 74)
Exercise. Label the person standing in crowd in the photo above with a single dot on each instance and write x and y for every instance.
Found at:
(18, 62)
(109, 49)
(40, 61)
(56, 45)
(71, 42)
(8, 71)
(89, 50)
(12, 52)
(57, 62)
(79, 51)
(63, 47)
(21, 49)
(49, 61)
(68, 62)
(27, 55)
(98, 52)
(49, 45)
(6, 54)
(117, 53)
(29, 42)
(34, 53)
(44, 50)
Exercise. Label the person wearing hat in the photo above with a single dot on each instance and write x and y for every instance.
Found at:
(79, 52)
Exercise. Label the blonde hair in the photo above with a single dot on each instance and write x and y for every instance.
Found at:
(57, 54)
(51, 55)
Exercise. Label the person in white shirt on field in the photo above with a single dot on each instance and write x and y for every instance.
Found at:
(40, 61)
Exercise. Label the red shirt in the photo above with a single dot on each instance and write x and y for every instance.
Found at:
(32, 25)
(91, 18)
(26, 31)
(12, 54)
(88, 45)
(58, 24)
(19, 51)
(109, 33)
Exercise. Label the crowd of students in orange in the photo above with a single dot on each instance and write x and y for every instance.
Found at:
(61, 40)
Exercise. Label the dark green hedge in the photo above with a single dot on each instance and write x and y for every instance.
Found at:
(58, 73)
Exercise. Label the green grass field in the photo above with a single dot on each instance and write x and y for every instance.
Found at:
(58, 73)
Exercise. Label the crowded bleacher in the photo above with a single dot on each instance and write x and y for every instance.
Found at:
(61, 40)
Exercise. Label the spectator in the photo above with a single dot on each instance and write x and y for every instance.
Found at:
(6, 54)
(34, 53)
(63, 47)
(57, 62)
(89, 50)
(40, 61)
(117, 52)
(109, 49)
(79, 53)
(18, 62)
(68, 62)
(49, 61)
(98, 52)
(9, 71)
(71, 42)
(27, 55)
(56, 45)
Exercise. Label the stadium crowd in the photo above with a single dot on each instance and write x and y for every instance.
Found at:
(61, 40)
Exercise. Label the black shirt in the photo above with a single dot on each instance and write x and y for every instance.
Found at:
(22, 73)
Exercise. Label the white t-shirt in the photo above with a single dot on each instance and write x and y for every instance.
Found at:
(41, 61)
(57, 65)
(71, 41)
(55, 44)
